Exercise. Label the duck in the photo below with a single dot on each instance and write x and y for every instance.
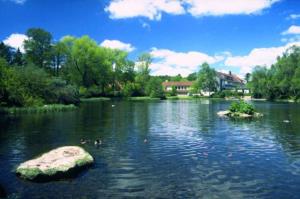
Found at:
(145, 140)
(98, 142)
(83, 141)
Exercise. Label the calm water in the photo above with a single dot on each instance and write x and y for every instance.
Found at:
(190, 153)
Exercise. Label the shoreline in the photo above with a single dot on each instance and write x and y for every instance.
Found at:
(40, 109)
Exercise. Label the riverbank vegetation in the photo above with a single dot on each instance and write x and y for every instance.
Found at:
(64, 72)
(73, 69)
(281, 80)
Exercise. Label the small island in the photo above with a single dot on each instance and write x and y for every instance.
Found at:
(240, 109)
(59, 163)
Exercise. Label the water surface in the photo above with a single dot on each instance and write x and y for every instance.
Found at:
(190, 152)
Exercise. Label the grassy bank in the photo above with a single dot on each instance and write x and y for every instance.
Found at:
(41, 109)
(142, 99)
(95, 99)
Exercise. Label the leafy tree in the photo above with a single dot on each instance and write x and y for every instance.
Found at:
(143, 71)
(281, 80)
(87, 64)
(38, 47)
(154, 88)
(207, 79)
(59, 55)
(173, 91)
(5, 52)
(177, 78)
(18, 59)
(192, 77)
(247, 77)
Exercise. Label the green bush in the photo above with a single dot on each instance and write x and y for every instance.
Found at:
(154, 88)
(130, 89)
(241, 107)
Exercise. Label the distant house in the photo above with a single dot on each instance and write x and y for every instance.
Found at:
(225, 82)
(229, 81)
(182, 88)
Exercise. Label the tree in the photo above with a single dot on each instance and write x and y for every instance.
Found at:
(192, 77)
(143, 71)
(247, 77)
(177, 78)
(38, 47)
(154, 88)
(281, 80)
(59, 54)
(87, 64)
(5, 52)
(18, 58)
(207, 79)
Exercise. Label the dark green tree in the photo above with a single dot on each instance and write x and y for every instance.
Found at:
(38, 47)
(18, 59)
(5, 52)
(207, 79)
(154, 88)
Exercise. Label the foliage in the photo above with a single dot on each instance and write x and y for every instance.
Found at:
(40, 109)
(242, 107)
(38, 47)
(192, 77)
(154, 88)
(206, 80)
(281, 81)
(173, 91)
(227, 93)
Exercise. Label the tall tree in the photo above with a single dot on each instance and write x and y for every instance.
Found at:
(59, 55)
(18, 58)
(207, 79)
(143, 71)
(5, 52)
(192, 77)
(38, 47)
(87, 63)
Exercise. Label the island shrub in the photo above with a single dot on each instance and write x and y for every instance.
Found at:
(242, 107)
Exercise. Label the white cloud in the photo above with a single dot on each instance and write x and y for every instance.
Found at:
(293, 30)
(225, 7)
(151, 9)
(294, 16)
(258, 56)
(20, 2)
(167, 62)
(16, 41)
(115, 44)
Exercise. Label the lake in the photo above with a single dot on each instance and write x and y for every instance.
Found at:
(190, 152)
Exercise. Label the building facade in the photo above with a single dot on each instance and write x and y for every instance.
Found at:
(229, 81)
(182, 88)
(226, 81)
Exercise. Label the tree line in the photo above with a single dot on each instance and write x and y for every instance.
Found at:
(62, 72)
(280, 81)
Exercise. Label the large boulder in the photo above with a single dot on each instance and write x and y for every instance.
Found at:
(63, 162)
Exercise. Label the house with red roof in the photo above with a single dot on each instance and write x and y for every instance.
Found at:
(226, 81)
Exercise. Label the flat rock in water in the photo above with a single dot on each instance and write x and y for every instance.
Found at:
(59, 163)
(223, 113)
(238, 115)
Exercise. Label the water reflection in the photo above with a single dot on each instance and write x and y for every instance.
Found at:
(190, 151)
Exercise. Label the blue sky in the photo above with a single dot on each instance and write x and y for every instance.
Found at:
(231, 35)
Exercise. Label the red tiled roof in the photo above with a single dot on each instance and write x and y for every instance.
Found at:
(177, 83)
